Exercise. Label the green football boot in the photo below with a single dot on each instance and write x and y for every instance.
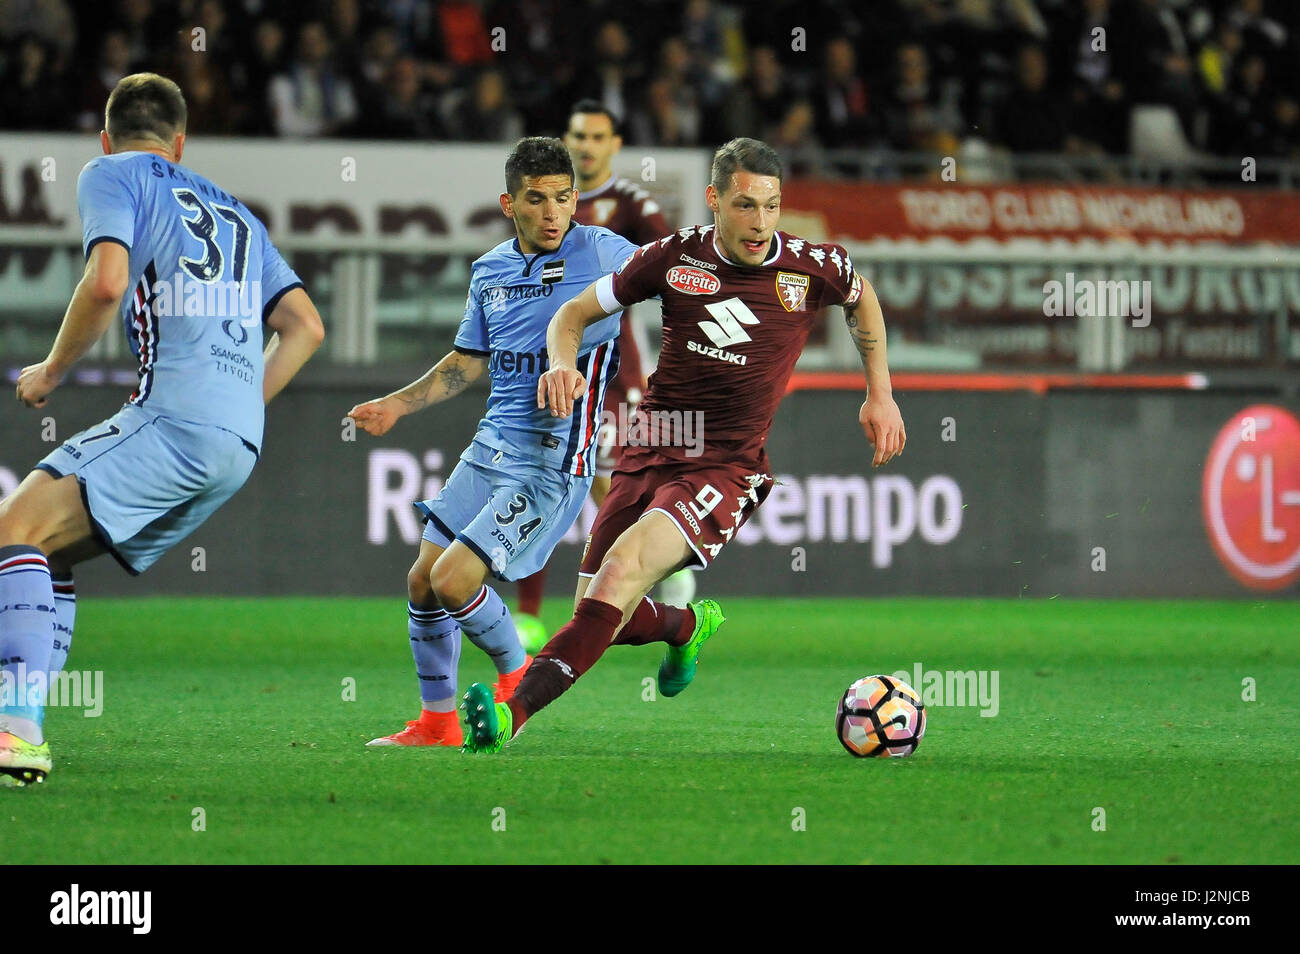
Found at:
(488, 724)
(21, 762)
(678, 666)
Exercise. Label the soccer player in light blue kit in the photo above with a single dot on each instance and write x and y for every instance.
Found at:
(521, 482)
(193, 277)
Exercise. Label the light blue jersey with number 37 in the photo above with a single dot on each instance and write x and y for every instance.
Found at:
(204, 276)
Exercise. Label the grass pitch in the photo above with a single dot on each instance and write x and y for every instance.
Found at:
(237, 707)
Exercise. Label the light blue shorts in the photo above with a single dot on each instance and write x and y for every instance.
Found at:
(508, 510)
(149, 481)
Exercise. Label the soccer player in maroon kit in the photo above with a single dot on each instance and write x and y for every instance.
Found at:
(738, 300)
(628, 210)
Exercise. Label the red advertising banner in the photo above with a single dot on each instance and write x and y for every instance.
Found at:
(855, 210)
(1031, 285)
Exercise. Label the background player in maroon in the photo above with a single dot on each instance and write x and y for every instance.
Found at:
(628, 210)
(738, 299)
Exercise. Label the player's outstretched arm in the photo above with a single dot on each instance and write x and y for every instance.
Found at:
(562, 383)
(880, 418)
(298, 333)
(446, 379)
(92, 309)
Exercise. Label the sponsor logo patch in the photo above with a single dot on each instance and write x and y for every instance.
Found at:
(693, 281)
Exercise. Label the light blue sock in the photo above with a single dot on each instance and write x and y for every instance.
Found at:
(65, 609)
(27, 617)
(435, 644)
(489, 626)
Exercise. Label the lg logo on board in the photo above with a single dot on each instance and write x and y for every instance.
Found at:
(1250, 495)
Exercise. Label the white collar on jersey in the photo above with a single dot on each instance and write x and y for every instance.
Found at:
(592, 193)
(772, 255)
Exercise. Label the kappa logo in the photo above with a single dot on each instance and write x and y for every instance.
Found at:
(730, 315)
(564, 667)
(692, 281)
(696, 262)
(792, 289)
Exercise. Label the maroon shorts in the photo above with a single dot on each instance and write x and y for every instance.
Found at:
(709, 503)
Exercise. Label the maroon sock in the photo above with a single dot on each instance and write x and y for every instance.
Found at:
(653, 622)
(530, 592)
(570, 653)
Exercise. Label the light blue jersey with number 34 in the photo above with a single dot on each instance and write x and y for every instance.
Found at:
(204, 276)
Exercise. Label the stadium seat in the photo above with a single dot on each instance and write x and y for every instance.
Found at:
(1155, 132)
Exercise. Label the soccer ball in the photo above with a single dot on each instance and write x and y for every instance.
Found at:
(879, 716)
(532, 633)
(678, 589)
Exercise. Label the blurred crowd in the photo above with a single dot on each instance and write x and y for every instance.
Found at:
(1030, 76)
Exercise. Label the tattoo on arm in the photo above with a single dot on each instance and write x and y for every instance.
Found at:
(863, 340)
(416, 396)
(454, 379)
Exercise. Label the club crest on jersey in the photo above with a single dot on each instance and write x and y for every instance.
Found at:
(692, 281)
(553, 272)
(792, 289)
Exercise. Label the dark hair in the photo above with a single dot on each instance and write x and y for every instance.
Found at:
(537, 156)
(592, 106)
(748, 155)
(145, 106)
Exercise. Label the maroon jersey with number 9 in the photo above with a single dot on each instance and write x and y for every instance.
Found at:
(731, 334)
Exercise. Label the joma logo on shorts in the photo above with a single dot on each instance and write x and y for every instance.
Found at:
(505, 541)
